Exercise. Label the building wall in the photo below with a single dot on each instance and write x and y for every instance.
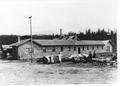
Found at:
(88, 49)
(108, 47)
(23, 50)
(49, 50)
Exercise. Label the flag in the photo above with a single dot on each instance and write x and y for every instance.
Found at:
(30, 17)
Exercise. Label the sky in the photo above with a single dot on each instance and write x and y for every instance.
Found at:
(48, 16)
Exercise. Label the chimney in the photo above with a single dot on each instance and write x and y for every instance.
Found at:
(60, 32)
(18, 39)
(75, 36)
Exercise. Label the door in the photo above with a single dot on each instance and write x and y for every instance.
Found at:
(78, 50)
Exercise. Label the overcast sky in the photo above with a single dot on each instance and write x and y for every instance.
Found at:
(48, 16)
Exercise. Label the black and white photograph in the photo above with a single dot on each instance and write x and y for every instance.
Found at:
(58, 42)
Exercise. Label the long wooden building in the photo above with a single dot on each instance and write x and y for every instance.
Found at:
(41, 48)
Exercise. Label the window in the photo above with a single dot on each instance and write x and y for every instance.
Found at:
(79, 50)
(97, 47)
(28, 50)
(92, 47)
(53, 49)
(108, 48)
(83, 47)
(44, 50)
(61, 48)
(74, 48)
(69, 48)
(101, 47)
(87, 47)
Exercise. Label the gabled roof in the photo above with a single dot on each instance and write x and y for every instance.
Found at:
(19, 44)
(53, 42)
(61, 42)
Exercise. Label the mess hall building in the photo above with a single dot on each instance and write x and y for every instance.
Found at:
(41, 48)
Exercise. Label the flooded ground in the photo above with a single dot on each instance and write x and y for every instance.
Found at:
(24, 73)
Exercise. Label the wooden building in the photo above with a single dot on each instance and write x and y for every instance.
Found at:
(41, 48)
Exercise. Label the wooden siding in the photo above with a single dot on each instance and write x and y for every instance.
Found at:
(38, 50)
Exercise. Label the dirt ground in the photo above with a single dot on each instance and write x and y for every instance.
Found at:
(25, 73)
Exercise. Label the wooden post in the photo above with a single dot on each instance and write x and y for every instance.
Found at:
(31, 37)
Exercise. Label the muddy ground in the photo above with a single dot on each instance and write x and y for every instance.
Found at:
(25, 73)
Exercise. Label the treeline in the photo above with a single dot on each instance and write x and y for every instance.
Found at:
(8, 39)
(88, 35)
(98, 35)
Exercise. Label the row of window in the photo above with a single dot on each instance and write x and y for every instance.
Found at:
(69, 48)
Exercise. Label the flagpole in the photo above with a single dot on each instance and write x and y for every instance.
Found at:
(31, 36)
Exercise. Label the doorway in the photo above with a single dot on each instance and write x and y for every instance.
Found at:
(78, 50)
